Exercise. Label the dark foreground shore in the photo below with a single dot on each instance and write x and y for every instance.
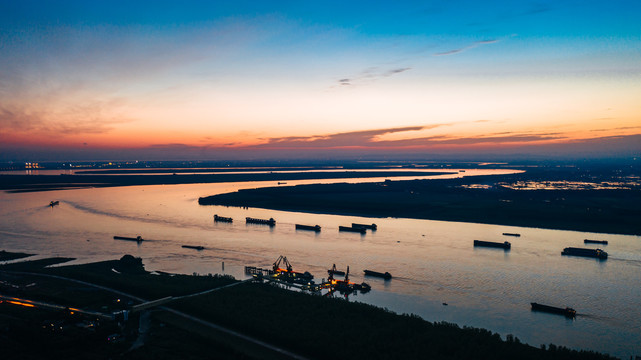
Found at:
(309, 326)
(481, 199)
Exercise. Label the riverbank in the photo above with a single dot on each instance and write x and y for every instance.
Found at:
(312, 326)
(493, 199)
(31, 183)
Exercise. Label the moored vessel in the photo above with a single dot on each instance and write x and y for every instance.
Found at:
(365, 226)
(315, 228)
(511, 234)
(270, 221)
(193, 247)
(352, 229)
(137, 238)
(222, 219)
(588, 241)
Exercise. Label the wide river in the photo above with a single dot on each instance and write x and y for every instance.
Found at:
(433, 262)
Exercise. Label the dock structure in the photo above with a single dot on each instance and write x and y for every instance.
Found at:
(270, 221)
(315, 228)
(372, 227)
(351, 229)
(503, 245)
(222, 219)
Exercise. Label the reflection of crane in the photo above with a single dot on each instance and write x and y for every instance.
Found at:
(283, 259)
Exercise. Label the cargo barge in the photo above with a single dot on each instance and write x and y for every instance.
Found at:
(511, 234)
(351, 229)
(365, 226)
(193, 247)
(223, 219)
(384, 275)
(270, 222)
(137, 238)
(504, 245)
(567, 312)
(594, 253)
(315, 228)
(588, 241)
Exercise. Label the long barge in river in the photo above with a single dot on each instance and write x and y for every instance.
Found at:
(315, 228)
(193, 247)
(588, 241)
(270, 221)
(503, 245)
(137, 238)
(223, 219)
(568, 311)
(593, 253)
(384, 275)
(352, 229)
(365, 226)
(512, 234)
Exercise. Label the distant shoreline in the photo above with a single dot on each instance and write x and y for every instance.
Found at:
(33, 183)
(599, 211)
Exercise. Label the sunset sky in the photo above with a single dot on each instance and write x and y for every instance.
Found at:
(269, 79)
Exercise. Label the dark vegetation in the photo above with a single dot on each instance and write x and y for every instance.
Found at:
(313, 326)
(26, 183)
(5, 256)
(608, 211)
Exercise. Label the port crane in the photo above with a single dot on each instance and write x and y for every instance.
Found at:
(283, 259)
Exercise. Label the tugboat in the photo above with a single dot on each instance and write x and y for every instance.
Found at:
(568, 311)
(54, 203)
(594, 253)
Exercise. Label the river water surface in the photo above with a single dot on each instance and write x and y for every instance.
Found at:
(433, 262)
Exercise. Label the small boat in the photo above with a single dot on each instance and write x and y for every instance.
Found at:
(594, 253)
(222, 219)
(193, 247)
(365, 226)
(511, 234)
(54, 203)
(316, 228)
(588, 241)
(362, 287)
(384, 275)
(270, 222)
(281, 183)
(351, 229)
(504, 245)
(137, 238)
(568, 311)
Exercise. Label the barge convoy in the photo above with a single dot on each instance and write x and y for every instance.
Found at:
(567, 312)
(593, 253)
(503, 245)
(315, 228)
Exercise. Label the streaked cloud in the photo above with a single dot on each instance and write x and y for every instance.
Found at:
(471, 46)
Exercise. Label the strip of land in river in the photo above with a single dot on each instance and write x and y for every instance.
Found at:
(481, 199)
